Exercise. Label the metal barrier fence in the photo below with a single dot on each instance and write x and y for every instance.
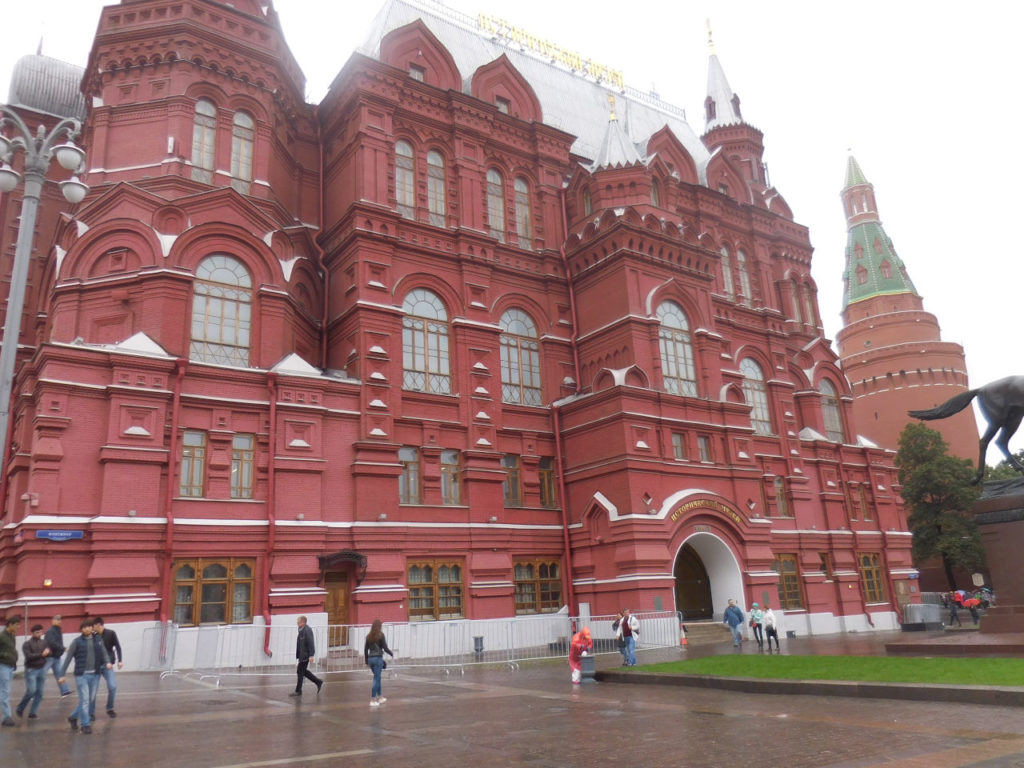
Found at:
(216, 651)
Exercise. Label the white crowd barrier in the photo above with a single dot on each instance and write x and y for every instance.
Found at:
(216, 651)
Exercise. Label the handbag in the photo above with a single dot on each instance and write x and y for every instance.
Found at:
(385, 664)
(621, 641)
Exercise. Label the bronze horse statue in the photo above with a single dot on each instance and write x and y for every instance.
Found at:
(1002, 405)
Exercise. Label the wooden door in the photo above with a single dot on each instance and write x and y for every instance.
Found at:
(693, 589)
(337, 588)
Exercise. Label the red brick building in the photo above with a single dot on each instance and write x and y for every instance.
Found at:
(476, 336)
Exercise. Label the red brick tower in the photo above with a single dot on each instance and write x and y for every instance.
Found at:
(891, 349)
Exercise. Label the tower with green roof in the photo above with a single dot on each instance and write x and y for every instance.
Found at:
(891, 348)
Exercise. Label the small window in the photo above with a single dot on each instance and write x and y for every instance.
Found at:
(862, 275)
(678, 446)
(450, 480)
(417, 73)
(745, 287)
(886, 269)
(865, 503)
(724, 189)
(871, 577)
(790, 595)
(704, 449)
(727, 283)
(512, 486)
(504, 105)
(243, 459)
(546, 477)
(213, 591)
(588, 203)
(409, 479)
(538, 587)
(781, 500)
(655, 193)
(435, 590)
(826, 564)
(193, 463)
(831, 415)
(756, 394)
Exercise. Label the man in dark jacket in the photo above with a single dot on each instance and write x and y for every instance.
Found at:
(54, 638)
(90, 657)
(36, 652)
(305, 650)
(8, 662)
(109, 639)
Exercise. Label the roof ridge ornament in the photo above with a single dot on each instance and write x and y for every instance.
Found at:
(611, 108)
(711, 41)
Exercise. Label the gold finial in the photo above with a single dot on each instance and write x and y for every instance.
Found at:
(711, 41)
(611, 108)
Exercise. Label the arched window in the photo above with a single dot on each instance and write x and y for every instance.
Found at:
(756, 395)
(727, 284)
(435, 188)
(655, 192)
(496, 205)
(830, 414)
(886, 269)
(741, 266)
(243, 135)
(795, 294)
(520, 359)
(425, 362)
(588, 203)
(677, 370)
(523, 228)
(405, 180)
(221, 311)
(204, 133)
(809, 306)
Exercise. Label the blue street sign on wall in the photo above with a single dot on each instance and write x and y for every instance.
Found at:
(59, 534)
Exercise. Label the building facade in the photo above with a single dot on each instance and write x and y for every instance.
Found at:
(477, 336)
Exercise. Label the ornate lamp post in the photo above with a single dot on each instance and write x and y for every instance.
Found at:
(39, 149)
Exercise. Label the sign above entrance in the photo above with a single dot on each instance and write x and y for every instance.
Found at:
(715, 506)
(59, 534)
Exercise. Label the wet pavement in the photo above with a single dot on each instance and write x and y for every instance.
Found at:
(494, 716)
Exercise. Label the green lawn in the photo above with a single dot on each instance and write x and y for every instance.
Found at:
(864, 668)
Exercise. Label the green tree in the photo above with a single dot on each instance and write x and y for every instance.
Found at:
(1003, 471)
(938, 492)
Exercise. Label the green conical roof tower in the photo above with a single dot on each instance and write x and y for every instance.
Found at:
(872, 266)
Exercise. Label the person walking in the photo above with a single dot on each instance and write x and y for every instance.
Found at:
(374, 648)
(771, 628)
(954, 612)
(35, 652)
(756, 620)
(305, 650)
(627, 628)
(54, 638)
(109, 639)
(90, 658)
(733, 616)
(8, 663)
(580, 647)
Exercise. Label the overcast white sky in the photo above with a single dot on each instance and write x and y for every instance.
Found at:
(913, 88)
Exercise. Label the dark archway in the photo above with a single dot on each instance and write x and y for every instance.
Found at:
(693, 587)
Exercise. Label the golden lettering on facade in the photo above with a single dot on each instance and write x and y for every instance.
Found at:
(715, 506)
(500, 28)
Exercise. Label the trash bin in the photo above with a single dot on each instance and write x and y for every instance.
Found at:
(478, 645)
(587, 669)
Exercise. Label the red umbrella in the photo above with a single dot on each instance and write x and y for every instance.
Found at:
(971, 602)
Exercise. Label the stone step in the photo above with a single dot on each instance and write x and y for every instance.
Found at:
(707, 632)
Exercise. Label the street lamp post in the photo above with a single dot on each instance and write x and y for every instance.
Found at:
(39, 150)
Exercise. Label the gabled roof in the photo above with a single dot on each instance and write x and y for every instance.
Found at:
(617, 151)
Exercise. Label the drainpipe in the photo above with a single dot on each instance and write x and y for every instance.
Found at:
(569, 590)
(181, 364)
(271, 510)
(316, 244)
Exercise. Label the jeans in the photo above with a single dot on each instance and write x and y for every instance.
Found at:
(759, 635)
(302, 671)
(737, 634)
(34, 679)
(87, 686)
(111, 680)
(377, 665)
(54, 664)
(6, 676)
(630, 651)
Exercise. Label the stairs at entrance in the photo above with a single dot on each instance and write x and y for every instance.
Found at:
(707, 632)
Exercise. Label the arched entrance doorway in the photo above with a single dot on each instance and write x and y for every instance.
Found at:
(706, 575)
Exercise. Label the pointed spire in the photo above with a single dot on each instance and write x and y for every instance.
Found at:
(722, 106)
(872, 266)
(617, 150)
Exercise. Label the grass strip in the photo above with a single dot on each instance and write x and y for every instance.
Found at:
(878, 669)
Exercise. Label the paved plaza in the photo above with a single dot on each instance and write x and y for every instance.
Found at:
(497, 717)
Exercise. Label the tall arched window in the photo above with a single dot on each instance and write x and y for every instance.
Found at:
(830, 414)
(405, 180)
(727, 284)
(520, 359)
(425, 361)
(204, 133)
(496, 205)
(523, 227)
(756, 395)
(588, 203)
(655, 192)
(221, 311)
(243, 136)
(435, 188)
(795, 294)
(809, 306)
(741, 267)
(677, 370)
